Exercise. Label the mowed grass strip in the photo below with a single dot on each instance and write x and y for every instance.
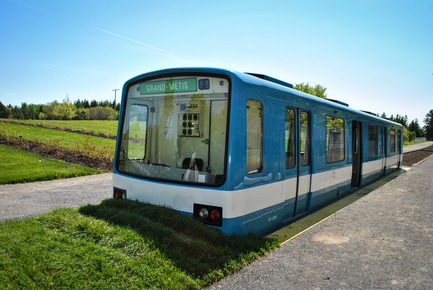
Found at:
(120, 244)
(93, 126)
(64, 139)
(18, 166)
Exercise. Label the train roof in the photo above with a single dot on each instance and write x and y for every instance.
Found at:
(262, 80)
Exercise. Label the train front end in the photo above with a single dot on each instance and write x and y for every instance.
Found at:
(172, 142)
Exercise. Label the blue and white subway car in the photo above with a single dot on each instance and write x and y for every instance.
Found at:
(243, 152)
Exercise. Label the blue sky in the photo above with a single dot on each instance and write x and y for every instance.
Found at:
(375, 55)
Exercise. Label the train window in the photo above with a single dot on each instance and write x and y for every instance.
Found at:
(254, 136)
(392, 140)
(334, 139)
(290, 138)
(305, 136)
(174, 129)
(137, 131)
(399, 141)
(372, 140)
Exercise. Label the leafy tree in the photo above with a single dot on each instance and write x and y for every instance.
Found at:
(415, 127)
(101, 113)
(78, 104)
(59, 111)
(105, 104)
(24, 110)
(84, 104)
(428, 128)
(82, 114)
(408, 136)
(317, 91)
(48, 111)
(4, 111)
(399, 119)
(30, 112)
(67, 110)
(42, 116)
(34, 111)
(16, 113)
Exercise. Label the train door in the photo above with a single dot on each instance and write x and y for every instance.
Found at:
(298, 161)
(304, 164)
(383, 151)
(356, 153)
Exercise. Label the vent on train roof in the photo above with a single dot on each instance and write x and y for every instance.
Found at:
(367, 112)
(271, 79)
(339, 102)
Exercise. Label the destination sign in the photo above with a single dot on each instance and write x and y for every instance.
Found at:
(169, 86)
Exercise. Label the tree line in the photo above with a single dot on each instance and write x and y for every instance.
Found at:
(66, 110)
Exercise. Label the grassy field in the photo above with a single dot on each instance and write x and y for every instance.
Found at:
(105, 127)
(64, 139)
(18, 166)
(120, 244)
(25, 167)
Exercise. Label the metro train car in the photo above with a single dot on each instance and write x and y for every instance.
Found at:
(244, 153)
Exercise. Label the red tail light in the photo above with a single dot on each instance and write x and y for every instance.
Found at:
(119, 193)
(215, 216)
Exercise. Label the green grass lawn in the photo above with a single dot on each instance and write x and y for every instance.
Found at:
(105, 127)
(64, 139)
(18, 166)
(120, 244)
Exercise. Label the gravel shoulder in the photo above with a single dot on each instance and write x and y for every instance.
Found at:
(31, 199)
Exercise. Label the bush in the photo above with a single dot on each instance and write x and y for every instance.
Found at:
(82, 114)
(101, 113)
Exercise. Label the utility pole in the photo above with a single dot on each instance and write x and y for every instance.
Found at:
(114, 105)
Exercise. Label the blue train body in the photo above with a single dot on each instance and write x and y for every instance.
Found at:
(243, 153)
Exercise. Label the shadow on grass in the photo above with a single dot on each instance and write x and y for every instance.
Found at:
(202, 252)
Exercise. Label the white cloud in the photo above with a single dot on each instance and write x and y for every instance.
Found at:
(8, 94)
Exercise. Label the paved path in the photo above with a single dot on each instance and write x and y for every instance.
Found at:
(31, 199)
(418, 146)
(382, 241)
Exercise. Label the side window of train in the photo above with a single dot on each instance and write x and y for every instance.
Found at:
(399, 141)
(254, 136)
(290, 138)
(334, 139)
(372, 140)
(305, 135)
(392, 140)
(383, 141)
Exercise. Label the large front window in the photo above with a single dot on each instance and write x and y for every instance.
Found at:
(175, 129)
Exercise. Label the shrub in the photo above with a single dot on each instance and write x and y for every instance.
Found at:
(101, 113)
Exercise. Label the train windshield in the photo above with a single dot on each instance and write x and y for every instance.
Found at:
(175, 129)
